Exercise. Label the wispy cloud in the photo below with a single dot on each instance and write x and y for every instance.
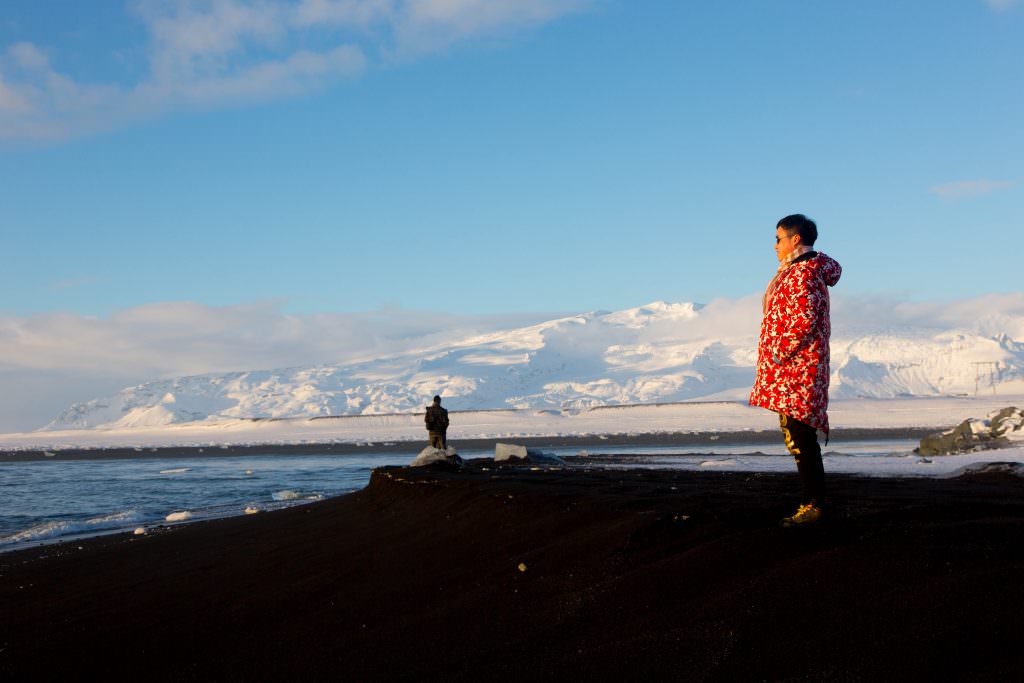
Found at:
(72, 283)
(1002, 5)
(210, 53)
(965, 189)
(176, 338)
(49, 361)
(424, 26)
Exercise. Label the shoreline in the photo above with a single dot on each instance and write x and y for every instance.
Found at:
(660, 439)
(435, 574)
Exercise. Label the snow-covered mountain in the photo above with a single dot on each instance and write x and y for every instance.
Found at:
(661, 352)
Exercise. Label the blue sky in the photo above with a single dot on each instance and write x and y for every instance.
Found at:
(165, 159)
(590, 155)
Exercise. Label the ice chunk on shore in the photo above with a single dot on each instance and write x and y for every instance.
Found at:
(509, 451)
(730, 462)
(430, 455)
(543, 458)
(505, 452)
(284, 495)
(180, 516)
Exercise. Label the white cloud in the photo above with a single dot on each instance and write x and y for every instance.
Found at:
(300, 72)
(175, 338)
(99, 355)
(44, 104)
(965, 189)
(29, 56)
(210, 28)
(357, 13)
(209, 53)
(13, 99)
(991, 314)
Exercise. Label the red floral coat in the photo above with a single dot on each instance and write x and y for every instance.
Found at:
(792, 356)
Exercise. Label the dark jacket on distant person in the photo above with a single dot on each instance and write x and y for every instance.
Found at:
(436, 419)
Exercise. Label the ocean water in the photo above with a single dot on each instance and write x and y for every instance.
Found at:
(52, 500)
(44, 501)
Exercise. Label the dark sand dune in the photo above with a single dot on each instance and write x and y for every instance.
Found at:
(627, 575)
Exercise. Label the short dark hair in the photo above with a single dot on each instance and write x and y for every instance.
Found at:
(801, 225)
(437, 399)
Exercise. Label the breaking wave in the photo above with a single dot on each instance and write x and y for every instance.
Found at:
(56, 529)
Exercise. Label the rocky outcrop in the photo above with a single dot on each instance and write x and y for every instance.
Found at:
(1001, 428)
(1008, 423)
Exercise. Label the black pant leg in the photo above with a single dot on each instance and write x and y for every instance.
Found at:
(802, 442)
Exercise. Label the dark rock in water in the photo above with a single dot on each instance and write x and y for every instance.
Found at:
(996, 431)
(959, 439)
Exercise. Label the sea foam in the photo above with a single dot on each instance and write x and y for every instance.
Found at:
(56, 529)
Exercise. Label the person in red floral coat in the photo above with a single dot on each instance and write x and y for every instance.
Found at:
(792, 356)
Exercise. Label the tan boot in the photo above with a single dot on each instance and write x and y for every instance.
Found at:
(805, 514)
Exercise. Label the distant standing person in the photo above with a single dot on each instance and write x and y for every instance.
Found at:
(793, 353)
(437, 424)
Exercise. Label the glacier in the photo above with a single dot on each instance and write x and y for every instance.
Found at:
(658, 353)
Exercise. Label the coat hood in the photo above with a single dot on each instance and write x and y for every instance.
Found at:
(826, 267)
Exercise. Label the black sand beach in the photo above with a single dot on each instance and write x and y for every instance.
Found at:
(517, 574)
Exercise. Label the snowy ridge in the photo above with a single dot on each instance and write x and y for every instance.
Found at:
(661, 352)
